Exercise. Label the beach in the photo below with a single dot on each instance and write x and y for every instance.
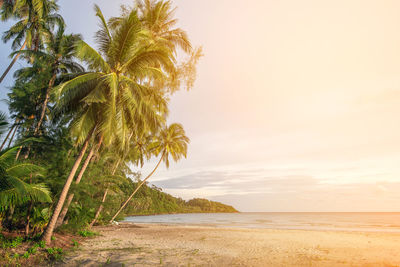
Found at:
(130, 244)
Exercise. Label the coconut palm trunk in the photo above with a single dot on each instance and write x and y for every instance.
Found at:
(52, 223)
(28, 218)
(45, 102)
(12, 137)
(18, 153)
(63, 213)
(43, 112)
(5, 140)
(99, 209)
(12, 62)
(96, 216)
(137, 188)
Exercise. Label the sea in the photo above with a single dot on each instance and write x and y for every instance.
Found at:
(329, 221)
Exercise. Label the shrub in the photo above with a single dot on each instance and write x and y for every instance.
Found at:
(55, 253)
(87, 233)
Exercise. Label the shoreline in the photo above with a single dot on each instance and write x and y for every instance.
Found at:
(178, 245)
(155, 214)
(231, 227)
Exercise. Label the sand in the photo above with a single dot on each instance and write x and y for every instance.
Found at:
(177, 245)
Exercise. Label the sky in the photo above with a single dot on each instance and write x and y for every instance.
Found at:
(295, 108)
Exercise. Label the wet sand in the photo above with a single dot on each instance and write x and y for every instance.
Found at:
(177, 245)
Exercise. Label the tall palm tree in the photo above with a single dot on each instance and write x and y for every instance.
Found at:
(70, 197)
(30, 84)
(58, 55)
(172, 141)
(109, 100)
(34, 18)
(157, 17)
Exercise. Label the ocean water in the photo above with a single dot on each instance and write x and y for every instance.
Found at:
(332, 221)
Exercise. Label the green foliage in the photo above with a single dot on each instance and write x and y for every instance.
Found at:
(151, 200)
(121, 97)
(55, 254)
(75, 243)
(39, 219)
(11, 243)
(110, 94)
(3, 122)
(54, 250)
(34, 19)
(87, 233)
(41, 244)
(13, 189)
(33, 249)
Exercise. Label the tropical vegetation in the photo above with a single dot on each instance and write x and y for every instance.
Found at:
(80, 117)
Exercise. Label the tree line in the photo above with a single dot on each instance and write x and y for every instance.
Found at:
(82, 116)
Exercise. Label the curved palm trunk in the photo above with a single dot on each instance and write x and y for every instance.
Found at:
(96, 216)
(63, 213)
(137, 188)
(51, 225)
(13, 62)
(12, 137)
(5, 140)
(43, 112)
(18, 153)
(45, 102)
(99, 209)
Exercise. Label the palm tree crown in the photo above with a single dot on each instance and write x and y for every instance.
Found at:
(112, 96)
(172, 141)
(13, 189)
(34, 18)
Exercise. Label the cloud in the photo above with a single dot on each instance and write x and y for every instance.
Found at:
(253, 190)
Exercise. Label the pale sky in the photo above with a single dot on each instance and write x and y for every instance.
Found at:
(296, 106)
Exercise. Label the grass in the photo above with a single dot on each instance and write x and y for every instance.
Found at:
(31, 251)
(87, 233)
(10, 243)
(75, 243)
(55, 254)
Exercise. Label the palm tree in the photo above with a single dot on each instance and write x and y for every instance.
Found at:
(173, 142)
(109, 100)
(3, 127)
(70, 197)
(13, 189)
(30, 84)
(35, 18)
(114, 169)
(135, 152)
(59, 55)
(158, 18)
